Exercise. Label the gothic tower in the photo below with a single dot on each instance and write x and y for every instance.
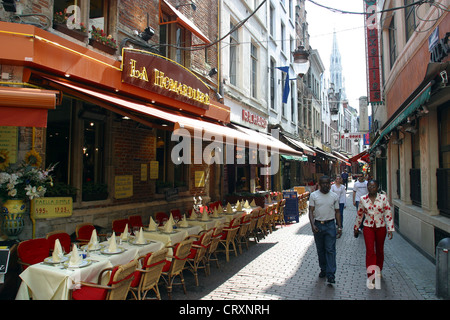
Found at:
(336, 76)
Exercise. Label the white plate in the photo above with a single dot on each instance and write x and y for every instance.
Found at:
(139, 244)
(84, 263)
(106, 250)
(49, 260)
(85, 247)
(173, 231)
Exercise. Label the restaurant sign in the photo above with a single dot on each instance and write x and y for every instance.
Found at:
(373, 55)
(51, 207)
(163, 76)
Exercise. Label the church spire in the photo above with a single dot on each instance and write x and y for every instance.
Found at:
(336, 75)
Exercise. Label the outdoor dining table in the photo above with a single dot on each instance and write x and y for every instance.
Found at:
(168, 239)
(44, 281)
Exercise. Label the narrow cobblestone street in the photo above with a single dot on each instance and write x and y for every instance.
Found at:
(284, 266)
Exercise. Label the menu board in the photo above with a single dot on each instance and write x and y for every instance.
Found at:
(51, 207)
(123, 186)
(9, 141)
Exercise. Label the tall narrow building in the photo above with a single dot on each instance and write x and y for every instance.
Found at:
(336, 76)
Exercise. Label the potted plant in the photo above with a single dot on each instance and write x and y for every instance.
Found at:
(62, 23)
(94, 191)
(18, 184)
(100, 40)
(61, 189)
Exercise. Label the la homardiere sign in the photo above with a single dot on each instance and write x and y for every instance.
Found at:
(163, 76)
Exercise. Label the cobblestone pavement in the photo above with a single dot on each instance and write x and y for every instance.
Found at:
(284, 266)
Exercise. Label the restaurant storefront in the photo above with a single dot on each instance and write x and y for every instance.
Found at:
(109, 135)
(113, 127)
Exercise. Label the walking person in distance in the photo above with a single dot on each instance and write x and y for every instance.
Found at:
(341, 191)
(359, 190)
(377, 212)
(323, 214)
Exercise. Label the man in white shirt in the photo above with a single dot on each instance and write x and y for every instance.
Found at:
(359, 190)
(323, 210)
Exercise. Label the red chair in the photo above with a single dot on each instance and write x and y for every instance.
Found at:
(174, 267)
(160, 217)
(116, 288)
(83, 232)
(203, 208)
(147, 278)
(63, 237)
(198, 253)
(32, 251)
(118, 226)
(176, 214)
(135, 221)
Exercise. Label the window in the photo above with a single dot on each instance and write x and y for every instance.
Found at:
(254, 70)
(233, 54)
(272, 84)
(392, 43)
(282, 38)
(172, 40)
(93, 153)
(272, 21)
(410, 19)
(58, 141)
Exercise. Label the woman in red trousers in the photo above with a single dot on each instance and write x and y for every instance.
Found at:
(375, 207)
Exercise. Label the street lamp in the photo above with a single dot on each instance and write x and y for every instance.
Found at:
(301, 61)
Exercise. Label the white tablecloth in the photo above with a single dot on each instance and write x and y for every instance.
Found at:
(48, 282)
(177, 236)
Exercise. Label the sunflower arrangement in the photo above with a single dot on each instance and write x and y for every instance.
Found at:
(4, 159)
(33, 158)
(24, 181)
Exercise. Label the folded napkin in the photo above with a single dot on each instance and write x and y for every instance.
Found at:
(124, 235)
(183, 222)
(152, 225)
(238, 203)
(238, 207)
(57, 251)
(229, 209)
(93, 243)
(215, 213)
(205, 216)
(220, 209)
(75, 258)
(246, 205)
(140, 237)
(171, 219)
(253, 204)
(168, 227)
(112, 245)
(193, 215)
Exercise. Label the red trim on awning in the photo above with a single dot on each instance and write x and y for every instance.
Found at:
(182, 20)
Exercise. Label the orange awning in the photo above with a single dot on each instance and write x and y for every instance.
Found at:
(25, 107)
(229, 135)
(363, 156)
(182, 20)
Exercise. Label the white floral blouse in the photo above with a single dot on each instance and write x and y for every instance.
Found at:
(377, 214)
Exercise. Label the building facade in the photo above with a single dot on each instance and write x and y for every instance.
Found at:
(410, 143)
